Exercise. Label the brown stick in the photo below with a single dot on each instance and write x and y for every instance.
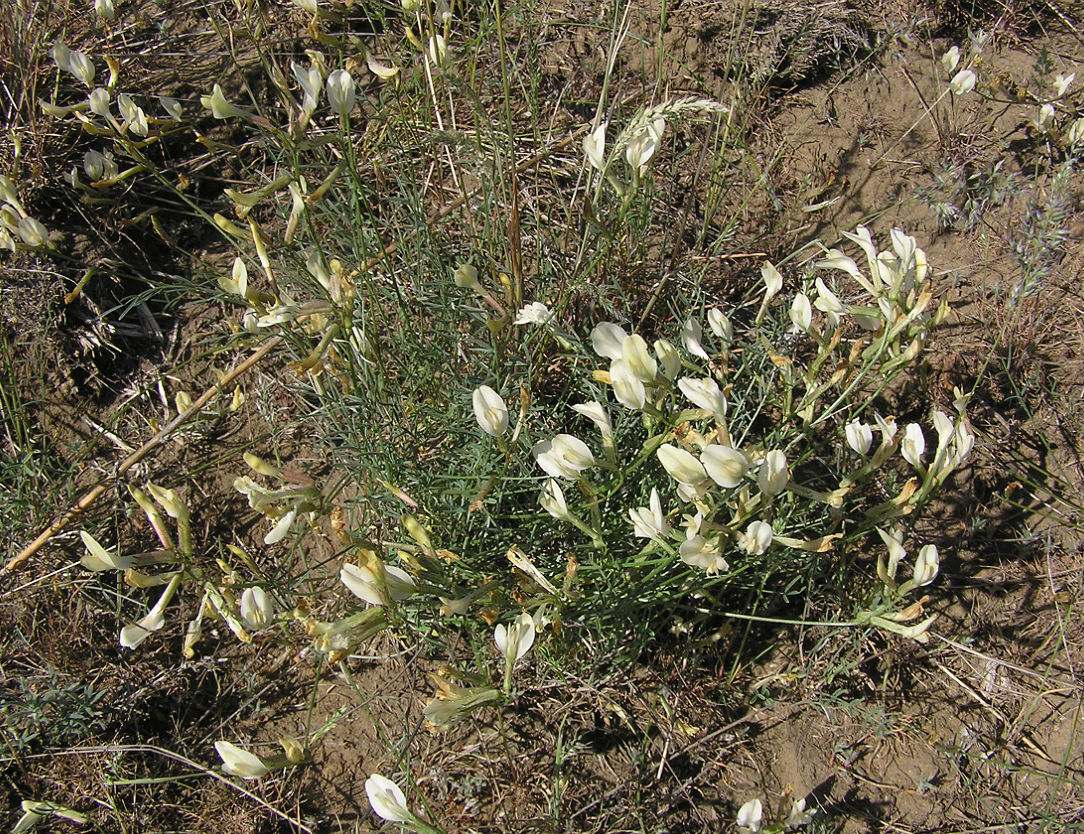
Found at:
(94, 494)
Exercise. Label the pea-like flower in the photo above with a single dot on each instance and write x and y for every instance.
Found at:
(367, 584)
(387, 799)
(702, 552)
(340, 91)
(490, 411)
(553, 502)
(773, 475)
(720, 325)
(859, 436)
(726, 466)
(257, 610)
(607, 339)
(515, 640)
(239, 762)
(750, 816)
(594, 146)
(757, 538)
(926, 566)
(913, 445)
(650, 522)
(564, 456)
(963, 82)
(704, 393)
(801, 312)
(628, 387)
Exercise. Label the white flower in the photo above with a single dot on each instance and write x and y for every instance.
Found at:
(257, 611)
(340, 91)
(650, 522)
(756, 539)
(135, 633)
(534, 313)
(62, 56)
(80, 65)
(310, 80)
(552, 500)
(720, 325)
(218, 105)
(642, 147)
(306, 5)
(99, 102)
(172, 107)
(894, 542)
(798, 815)
(1062, 82)
(801, 312)
(607, 339)
(563, 457)
(515, 640)
(132, 114)
(387, 799)
(104, 9)
(773, 281)
(364, 584)
(381, 71)
(926, 565)
(913, 445)
(691, 334)
(773, 475)
(726, 466)
(438, 50)
(704, 393)
(681, 465)
(281, 527)
(97, 558)
(628, 387)
(33, 233)
(466, 276)
(828, 303)
(859, 436)
(1045, 120)
(704, 553)
(594, 145)
(669, 358)
(963, 82)
(638, 360)
(951, 59)
(594, 412)
(1075, 135)
(749, 817)
(239, 762)
(490, 411)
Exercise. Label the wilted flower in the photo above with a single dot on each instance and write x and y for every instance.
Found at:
(239, 762)
(340, 91)
(563, 457)
(704, 393)
(913, 445)
(257, 610)
(773, 475)
(490, 411)
(650, 522)
(594, 145)
(97, 558)
(726, 466)
(749, 817)
(859, 436)
(963, 82)
(387, 799)
(757, 538)
(515, 640)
